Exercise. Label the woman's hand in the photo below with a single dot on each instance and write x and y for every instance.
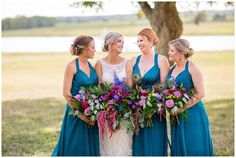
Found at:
(85, 119)
(178, 111)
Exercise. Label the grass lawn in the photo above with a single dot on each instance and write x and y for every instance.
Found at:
(41, 75)
(127, 28)
(33, 107)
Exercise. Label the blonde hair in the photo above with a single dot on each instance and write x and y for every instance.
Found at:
(79, 44)
(182, 45)
(110, 38)
(151, 35)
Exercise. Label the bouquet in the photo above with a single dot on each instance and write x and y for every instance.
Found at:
(114, 100)
(145, 103)
(176, 97)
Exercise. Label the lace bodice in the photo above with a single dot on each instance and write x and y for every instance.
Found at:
(108, 71)
(120, 144)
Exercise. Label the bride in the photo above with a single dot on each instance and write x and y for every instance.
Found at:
(120, 144)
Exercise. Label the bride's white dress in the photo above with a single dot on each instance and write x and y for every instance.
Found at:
(120, 144)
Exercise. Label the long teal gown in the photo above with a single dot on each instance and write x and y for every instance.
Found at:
(76, 137)
(191, 137)
(150, 141)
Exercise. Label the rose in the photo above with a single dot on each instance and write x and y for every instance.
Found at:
(87, 111)
(177, 94)
(166, 92)
(85, 104)
(144, 92)
(170, 103)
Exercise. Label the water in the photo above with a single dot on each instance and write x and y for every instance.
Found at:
(62, 44)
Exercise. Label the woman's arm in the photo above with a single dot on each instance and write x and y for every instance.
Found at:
(68, 77)
(129, 73)
(164, 67)
(98, 69)
(198, 85)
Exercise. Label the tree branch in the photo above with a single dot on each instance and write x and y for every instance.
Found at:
(146, 9)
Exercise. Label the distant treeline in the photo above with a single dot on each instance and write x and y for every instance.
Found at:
(22, 22)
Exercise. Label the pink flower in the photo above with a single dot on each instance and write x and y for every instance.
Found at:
(170, 103)
(87, 111)
(78, 97)
(142, 102)
(110, 102)
(85, 104)
(144, 92)
(166, 92)
(177, 94)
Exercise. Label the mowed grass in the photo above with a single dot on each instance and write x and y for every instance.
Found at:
(33, 107)
(31, 127)
(127, 28)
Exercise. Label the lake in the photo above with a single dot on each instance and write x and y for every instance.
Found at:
(62, 43)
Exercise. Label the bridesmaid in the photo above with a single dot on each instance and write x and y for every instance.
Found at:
(152, 68)
(191, 137)
(76, 137)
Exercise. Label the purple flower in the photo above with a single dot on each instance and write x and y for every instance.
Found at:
(166, 92)
(78, 97)
(116, 97)
(110, 106)
(177, 94)
(184, 90)
(87, 111)
(133, 106)
(105, 96)
(129, 102)
(170, 103)
(158, 96)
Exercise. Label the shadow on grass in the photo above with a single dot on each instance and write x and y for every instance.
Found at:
(31, 127)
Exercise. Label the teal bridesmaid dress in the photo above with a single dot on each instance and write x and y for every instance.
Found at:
(191, 137)
(150, 141)
(76, 137)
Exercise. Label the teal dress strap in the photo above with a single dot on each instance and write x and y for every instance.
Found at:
(186, 66)
(137, 60)
(77, 64)
(156, 60)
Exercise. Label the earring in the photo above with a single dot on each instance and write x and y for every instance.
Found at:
(179, 58)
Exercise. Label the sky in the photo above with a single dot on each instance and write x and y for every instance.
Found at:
(12, 8)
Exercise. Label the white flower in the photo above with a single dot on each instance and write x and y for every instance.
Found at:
(174, 109)
(159, 105)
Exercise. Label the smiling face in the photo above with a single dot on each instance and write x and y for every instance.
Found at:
(173, 53)
(144, 44)
(118, 45)
(90, 50)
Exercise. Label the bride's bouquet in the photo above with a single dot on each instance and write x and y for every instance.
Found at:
(116, 110)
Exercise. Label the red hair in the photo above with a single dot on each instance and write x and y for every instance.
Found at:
(150, 34)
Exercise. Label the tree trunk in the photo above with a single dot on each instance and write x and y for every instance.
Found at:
(165, 21)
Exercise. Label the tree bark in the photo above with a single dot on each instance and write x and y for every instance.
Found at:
(165, 21)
